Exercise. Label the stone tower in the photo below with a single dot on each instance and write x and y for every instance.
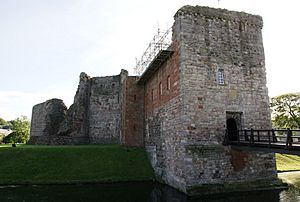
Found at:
(214, 78)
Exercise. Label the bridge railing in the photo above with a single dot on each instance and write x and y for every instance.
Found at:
(286, 138)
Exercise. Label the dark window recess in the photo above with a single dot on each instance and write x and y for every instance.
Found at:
(160, 89)
(168, 83)
(152, 94)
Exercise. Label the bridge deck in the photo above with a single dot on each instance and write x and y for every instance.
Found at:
(265, 150)
(279, 141)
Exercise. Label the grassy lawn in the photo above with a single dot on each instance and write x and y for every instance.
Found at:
(31, 164)
(43, 164)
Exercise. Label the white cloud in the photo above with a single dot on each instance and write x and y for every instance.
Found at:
(13, 104)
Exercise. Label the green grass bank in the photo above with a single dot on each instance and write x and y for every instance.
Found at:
(41, 164)
(26, 164)
(285, 164)
(291, 178)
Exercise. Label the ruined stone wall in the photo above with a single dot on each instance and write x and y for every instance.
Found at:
(105, 110)
(68, 126)
(74, 128)
(46, 118)
(213, 41)
(93, 118)
(133, 113)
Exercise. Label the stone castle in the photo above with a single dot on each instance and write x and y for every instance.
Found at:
(210, 78)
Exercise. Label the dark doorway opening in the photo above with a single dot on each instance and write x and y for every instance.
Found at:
(232, 129)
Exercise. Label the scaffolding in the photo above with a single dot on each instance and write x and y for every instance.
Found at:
(161, 41)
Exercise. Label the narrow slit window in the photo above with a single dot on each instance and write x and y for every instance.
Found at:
(220, 77)
(160, 89)
(168, 83)
(152, 94)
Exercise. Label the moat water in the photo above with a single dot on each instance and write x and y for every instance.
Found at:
(133, 192)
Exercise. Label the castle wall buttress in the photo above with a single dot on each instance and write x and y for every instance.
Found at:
(163, 110)
(132, 113)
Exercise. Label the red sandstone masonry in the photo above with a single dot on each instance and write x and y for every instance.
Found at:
(153, 97)
(133, 113)
(238, 159)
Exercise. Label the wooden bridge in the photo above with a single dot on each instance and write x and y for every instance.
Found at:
(279, 141)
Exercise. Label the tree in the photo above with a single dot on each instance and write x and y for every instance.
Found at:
(21, 128)
(286, 111)
(2, 122)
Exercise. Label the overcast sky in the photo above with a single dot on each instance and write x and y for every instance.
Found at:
(45, 44)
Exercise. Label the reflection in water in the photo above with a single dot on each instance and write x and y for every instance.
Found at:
(167, 194)
(88, 192)
(291, 195)
(131, 192)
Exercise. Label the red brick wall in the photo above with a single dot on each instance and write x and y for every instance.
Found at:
(133, 113)
(153, 97)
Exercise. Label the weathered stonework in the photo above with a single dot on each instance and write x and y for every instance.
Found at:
(74, 130)
(105, 110)
(213, 79)
(184, 134)
(132, 113)
(46, 120)
(93, 118)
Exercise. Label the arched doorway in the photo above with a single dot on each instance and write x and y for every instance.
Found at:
(232, 129)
